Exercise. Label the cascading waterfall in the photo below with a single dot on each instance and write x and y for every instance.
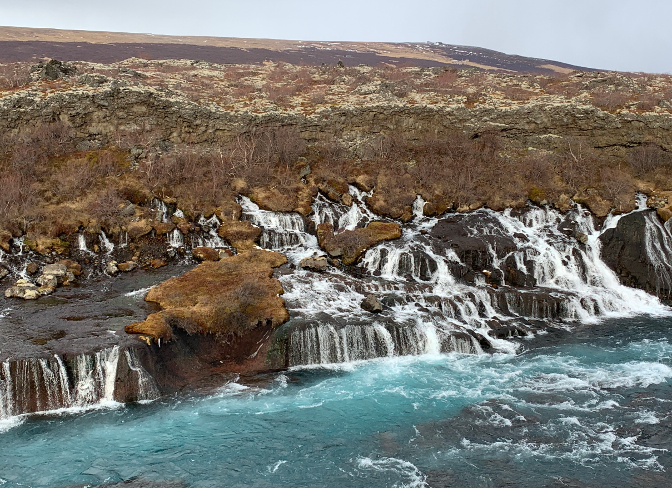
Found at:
(280, 231)
(208, 236)
(176, 239)
(430, 307)
(105, 243)
(48, 384)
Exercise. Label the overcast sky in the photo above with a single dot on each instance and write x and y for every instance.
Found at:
(627, 35)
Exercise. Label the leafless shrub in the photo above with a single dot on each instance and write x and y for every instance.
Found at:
(106, 208)
(647, 158)
(14, 75)
(610, 99)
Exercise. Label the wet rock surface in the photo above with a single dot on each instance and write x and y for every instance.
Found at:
(636, 250)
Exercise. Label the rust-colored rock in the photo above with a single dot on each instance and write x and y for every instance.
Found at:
(226, 298)
(162, 228)
(127, 266)
(32, 268)
(350, 244)
(72, 266)
(241, 234)
(158, 263)
(138, 229)
(205, 254)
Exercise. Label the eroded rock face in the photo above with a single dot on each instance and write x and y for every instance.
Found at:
(349, 245)
(624, 250)
(226, 298)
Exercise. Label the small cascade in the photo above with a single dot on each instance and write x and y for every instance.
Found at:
(81, 243)
(123, 238)
(162, 212)
(658, 243)
(208, 236)
(175, 239)
(105, 243)
(47, 384)
(95, 375)
(147, 389)
(341, 216)
(279, 230)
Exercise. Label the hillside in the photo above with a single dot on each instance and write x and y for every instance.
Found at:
(27, 44)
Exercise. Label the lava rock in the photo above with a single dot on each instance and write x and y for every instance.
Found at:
(23, 289)
(57, 270)
(372, 304)
(3, 272)
(314, 263)
(111, 268)
(47, 280)
(127, 266)
(54, 69)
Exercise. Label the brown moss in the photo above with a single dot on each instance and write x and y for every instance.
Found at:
(226, 298)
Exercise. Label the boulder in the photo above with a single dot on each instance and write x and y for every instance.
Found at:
(205, 254)
(158, 263)
(111, 268)
(54, 69)
(241, 234)
(314, 263)
(372, 304)
(3, 272)
(32, 268)
(226, 298)
(72, 266)
(47, 280)
(162, 228)
(57, 270)
(350, 244)
(127, 266)
(23, 289)
(138, 229)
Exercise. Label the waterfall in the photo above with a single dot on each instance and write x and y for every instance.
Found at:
(87, 380)
(658, 243)
(325, 344)
(105, 243)
(280, 231)
(341, 216)
(459, 283)
(175, 239)
(208, 236)
(81, 243)
(147, 389)
(162, 214)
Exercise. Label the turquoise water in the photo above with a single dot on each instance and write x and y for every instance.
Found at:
(587, 409)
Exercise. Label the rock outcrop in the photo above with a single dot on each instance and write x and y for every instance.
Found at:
(625, 250)
(226, 299)
(349, 245)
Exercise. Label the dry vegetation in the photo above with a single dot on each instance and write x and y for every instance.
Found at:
(50, 187)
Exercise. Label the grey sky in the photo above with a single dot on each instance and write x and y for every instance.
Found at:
(623, 35)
